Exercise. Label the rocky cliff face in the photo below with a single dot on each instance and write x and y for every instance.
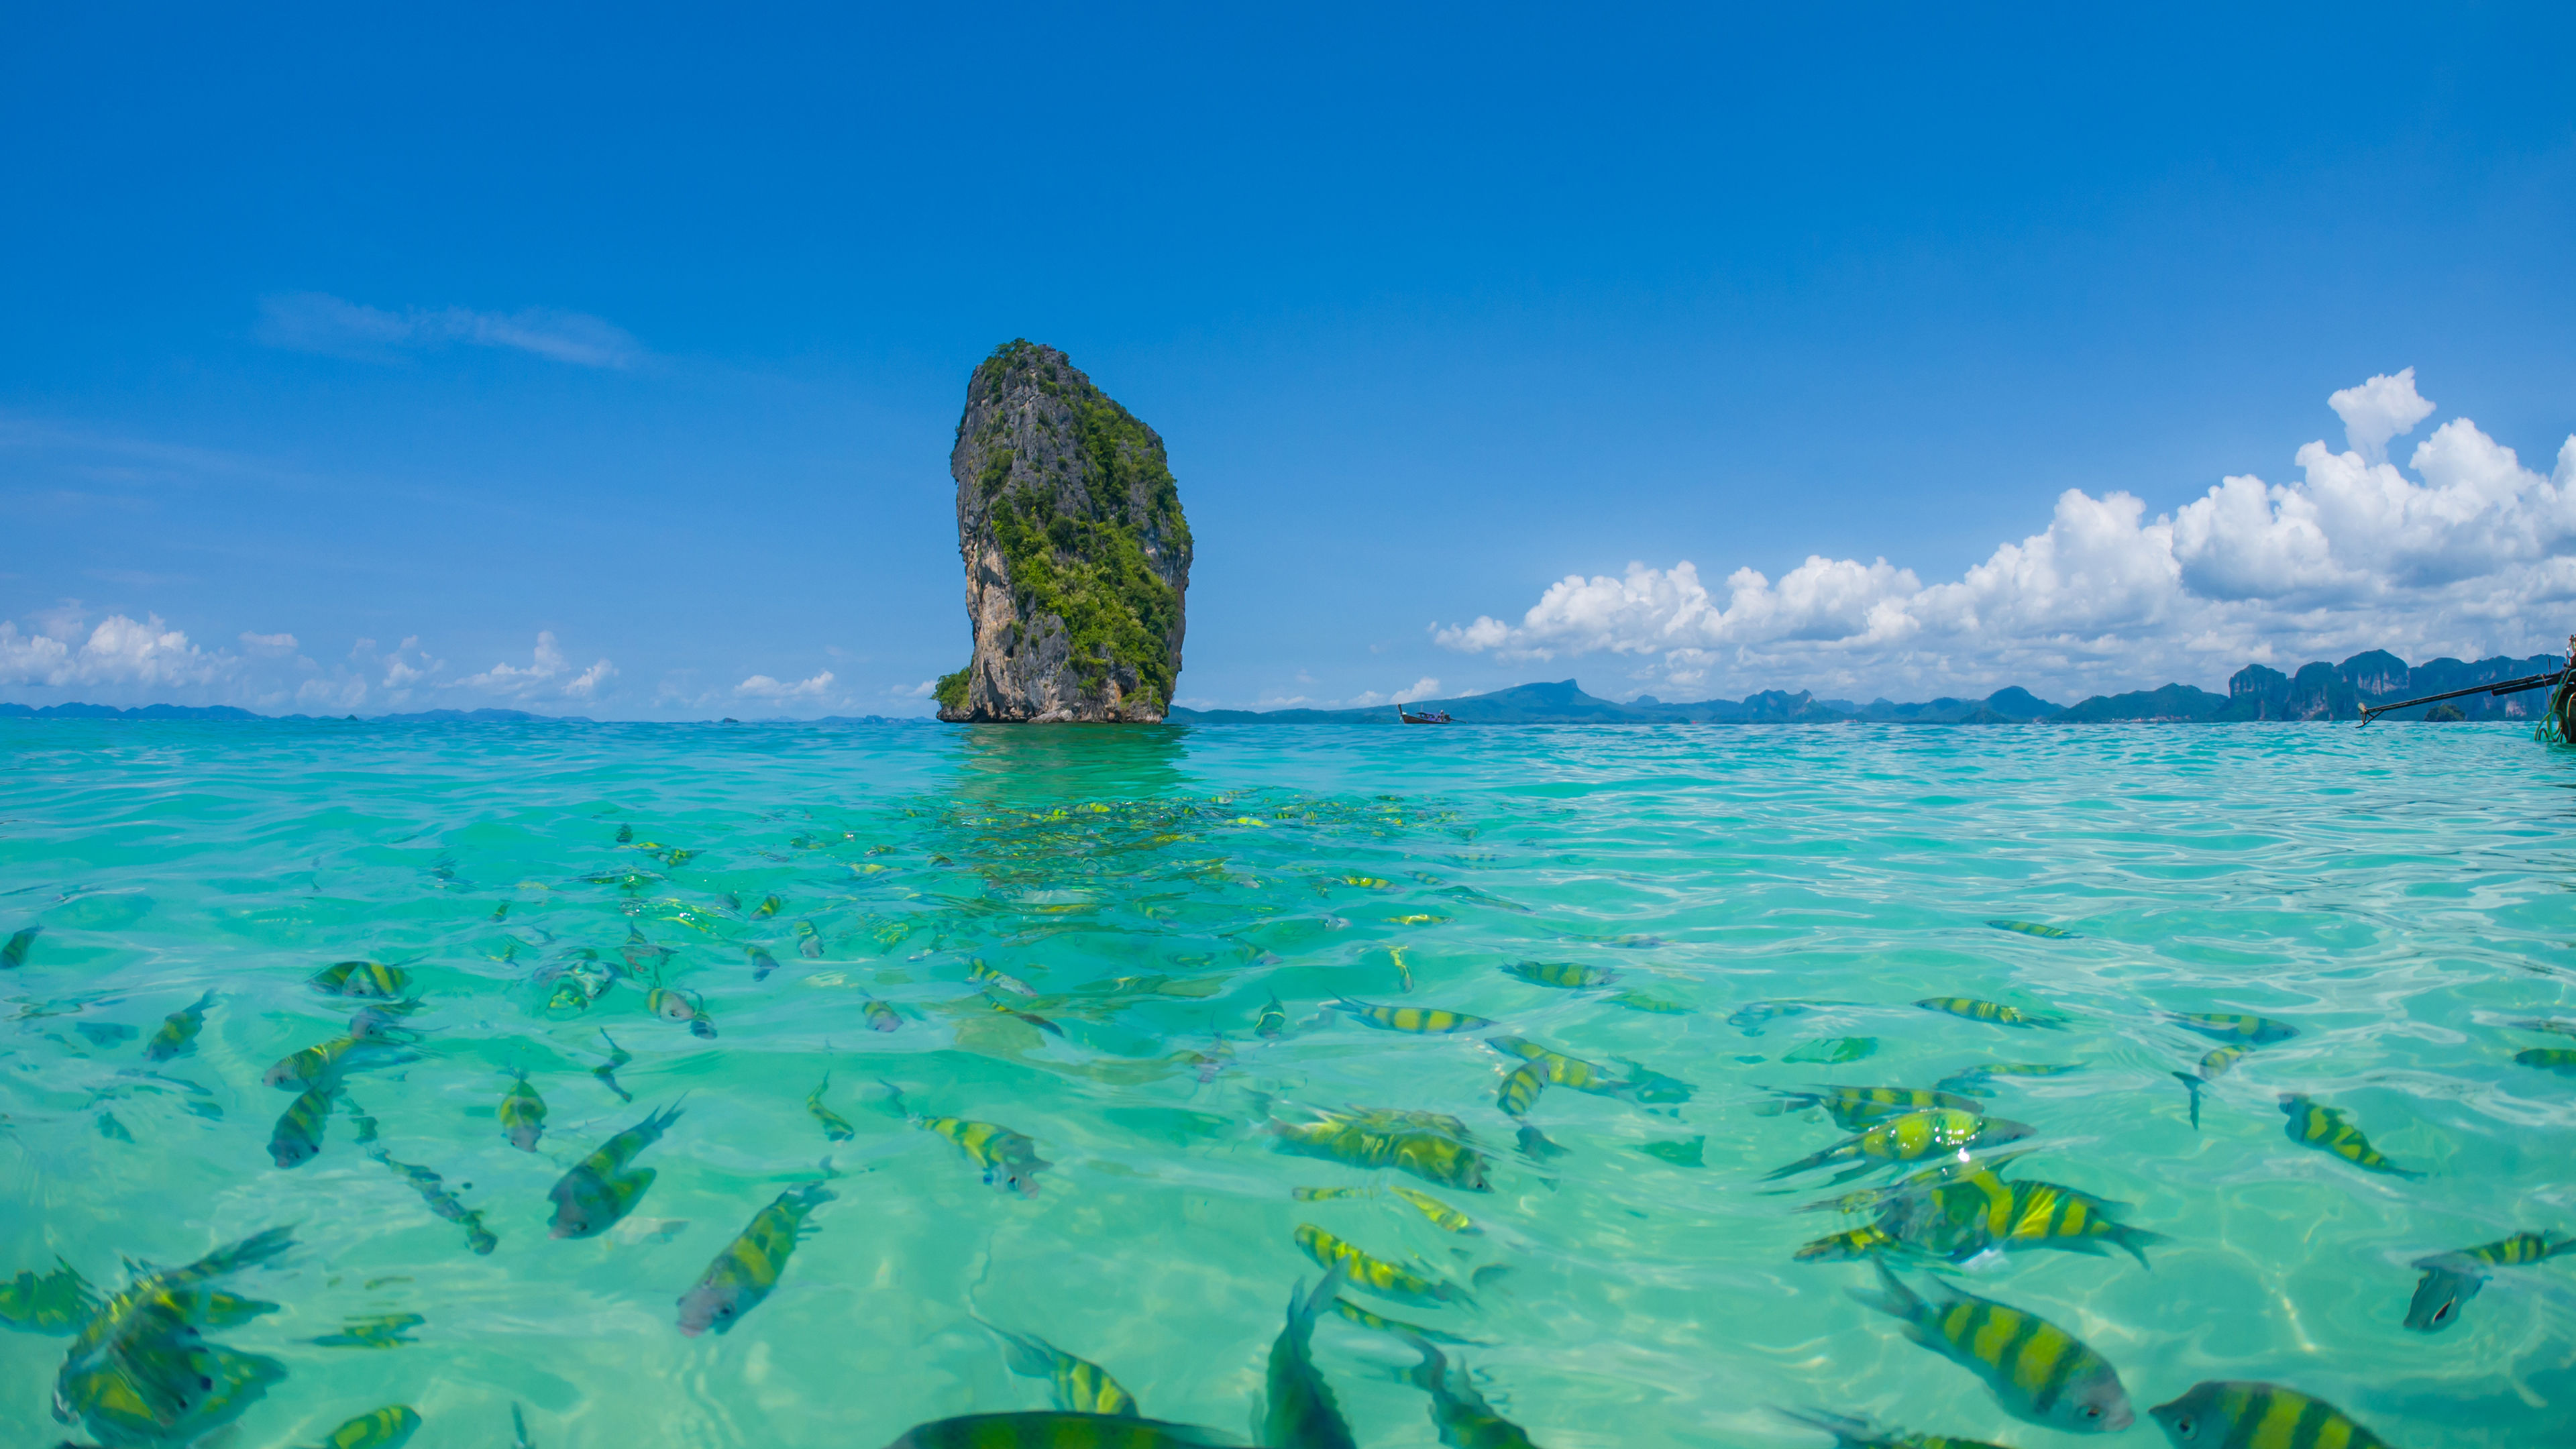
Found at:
(1077, 556)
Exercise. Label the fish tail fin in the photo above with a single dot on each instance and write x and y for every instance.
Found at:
(1848, 1432)
(1304, 1308)
(1028, 1355)
(2135, 1241)
(518, 1428)
(2192, 1084)
(249, 1252)
(1862, 1169)
(1803, 1164)
(1429, 1374)
(894, 1100)
(1892, 1298)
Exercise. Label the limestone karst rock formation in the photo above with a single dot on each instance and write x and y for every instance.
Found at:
(1077, 556)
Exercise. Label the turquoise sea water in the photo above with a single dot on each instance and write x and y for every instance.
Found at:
(2401, 895)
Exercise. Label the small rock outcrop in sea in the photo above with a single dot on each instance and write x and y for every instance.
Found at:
(1077, 556)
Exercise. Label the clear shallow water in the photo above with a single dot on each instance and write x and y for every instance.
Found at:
(2400, 894)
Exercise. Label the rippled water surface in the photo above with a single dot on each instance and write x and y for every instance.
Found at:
(2400, 895)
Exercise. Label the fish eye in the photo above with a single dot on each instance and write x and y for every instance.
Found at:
(2092, 1411)
(2182, 1425)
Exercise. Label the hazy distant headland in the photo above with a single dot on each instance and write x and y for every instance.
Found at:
(2318, 691)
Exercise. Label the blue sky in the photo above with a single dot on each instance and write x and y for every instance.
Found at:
(612, 358)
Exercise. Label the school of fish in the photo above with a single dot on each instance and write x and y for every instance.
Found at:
(1952, 1183)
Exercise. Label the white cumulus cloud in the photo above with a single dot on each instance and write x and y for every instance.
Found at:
(542, 677)
(2378, 410)
(319, 322)
(120, 651)
(761, 686)
(2469, 556)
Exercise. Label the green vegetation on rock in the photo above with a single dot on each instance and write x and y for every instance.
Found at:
(1073, 522)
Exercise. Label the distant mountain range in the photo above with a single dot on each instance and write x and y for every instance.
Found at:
(226, 711)
(2318, 691)
(431, 716)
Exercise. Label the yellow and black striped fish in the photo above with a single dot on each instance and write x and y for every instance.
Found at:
(1976, 1076)
(1855, 1244)
(298, 1070)
(596, 1192)
(433, 1191)
(1561, 1070)
(1421, 1020)
(2451, 1279)
(2034, 928)
(1376, 1275)
(390, 1427)
(297, 1138)
(1330, 1194)
(1648, 1002)
(1914, 1183)
(2213, 1065)
(1272, 1023)
(1441, 1214)
(976, 970)
(177, 1036)
(2222, 1414)
(2325, 1129)
(1980, 1211)
(523, 1114)
(1431, 1145)
(362, 978)
(881, 1017)
(1365, 1319)
(1565, 975)
(748, 1268)
(1913, 1137)
(2561, 1060)
(1080, 1385)
(2036, 1370)
(836, 1128)
(1855, 1109)
(2234, 1027)
(1994, 1011)
(1009, 1159)
(1520, 1089)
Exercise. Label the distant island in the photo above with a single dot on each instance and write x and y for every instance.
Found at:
(2318, 691)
